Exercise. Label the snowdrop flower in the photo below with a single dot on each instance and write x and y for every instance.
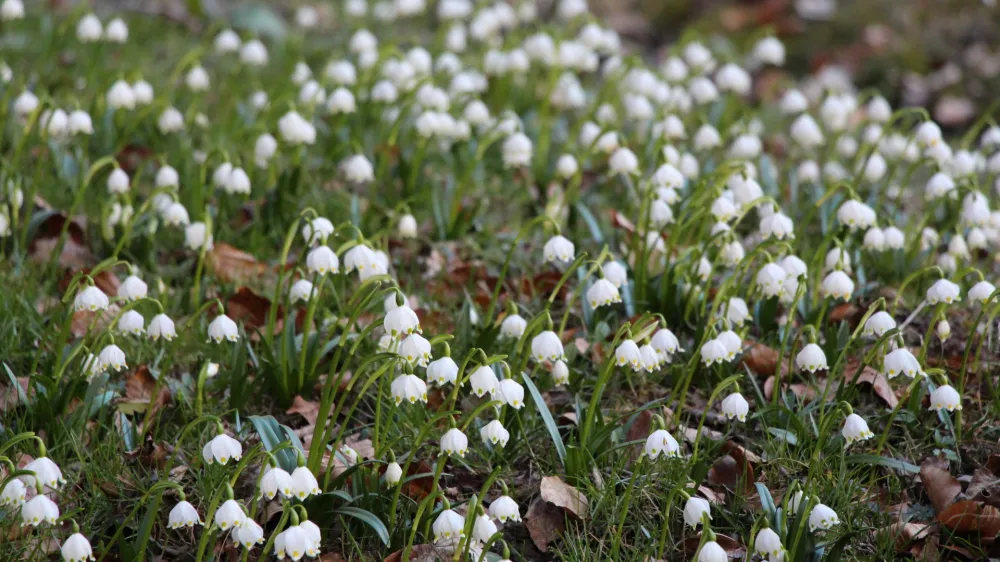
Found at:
(665, 343)
(118, 181)
(894, 238)
(547, 346)
(768, 543)
(698, 57)
(89, 29)
(712, 552)
(358, 169)
(981, 291)
(143, 92)
(112, 358)
(713, 351)
(295, 542)
(874, 239)
(253, 53)
(695, 509)
(511, 392)
(183, 515)
(341, 101)
(302, 290)
(359, 257)
(91, 299)
(732, 342)
(627, 353)
(901, 362)
(296, 130)
(223, 328)
(13, 493)
(661, 442)
(401, 321)
(264, 149)
(602, 293)
(615, 273)
(79, 123)
(121, 96)
(25, 104)
(312, 94)
(650, 358)
(939, 185)
(811, 358)
(483, 381)
(736, 312)
(39, 509)
(560, 373)
(623, 161)
(517, 150)
(12, 10)
(317, 231)
(409, 388)
(943, 291)
(230, 515)
(275, 481)
(945, 397)
(221, 449)
(322, 260)
(249, 534)
(732, 78)
(393, 473)
(45, 471)
(170, 121)
(449, 526)
(197, 79)
(875, 168)
(76, 549)
(838, 259)
(723, 209)
(131, 323)
(503, 509)
(929, 238)
(777, 225)
(494, 433)
(808, 172)
(227, 41)
(407, 227)
(958, 248)
(703, 91)
(746, 147)
(415, 349)
(835, 113)
(735, 406)
(442, 371)
(793, 102)
(770, 279)
(513, 326)
(837, 285)
(769, 50)
(303, 483)
(822, 518)
(856, 215)
(928, 134)
(133, 288)
(856, 429)
(943, 330)
(559, 248)
(454, 442)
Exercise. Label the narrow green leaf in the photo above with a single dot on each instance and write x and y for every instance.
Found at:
(882, 461)
(550, 424)
(369, 519)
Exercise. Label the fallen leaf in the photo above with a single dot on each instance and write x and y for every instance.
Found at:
(419, 488)
(545, 521)
(75, 253)
(252, 309)
(139, 388)
(230, 264)
(904, 533)
(731, 473)
(967, 516)
(985, 487)
(556, 491)
(424, 553)
(878, 383)
(849, 312)
(733, 547)
(308, 409)
(10, 396)
(942, 488)
(85, 321)
(760, 358)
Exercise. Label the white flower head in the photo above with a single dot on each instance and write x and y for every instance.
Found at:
(811, 358)
(112, 358)
(504, 509)
(221, 449)
(449, 527)
(695, 509)
(495, 434)
(90, 299)
(856, 429)
(322, 260)
(661, 442)
(559, 249)
(944, 291)
(454, 442)
(223, 328)
(837, 285)
(276, 480)
(901, 362)
(183, 515)
(304, 483)
(442, 371)
(230, 515)
(735, 406)
(822, 518)
(409, 388)
(38, 510)
(415, 349)
(511, 392)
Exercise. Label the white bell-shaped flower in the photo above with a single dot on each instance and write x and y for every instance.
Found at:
(559, 249)
(223, 328)
(894, 238)
(695, 509)
(945, 397)
(732, 342)
(112, 358)
(90, 299)
(627, 353)
(276, 480)
(713, 351)
(945, 291)
(650, 358)
(771, 279)
(547, 346)
(837, 285)
(483, 528)
(449, 527)
(131, 323)
(401, 321)
(454, 442)
(736, 311)
(132, 288)
(874, 239)
(856, 429)
(249, 535)
(301, 290)
(295, 543)
(811, 358)
(494, 433)
(735, 406)
(183, 515)
(943, 330)
(359, 257)
(855, 215)
(393, 473)
(712, 552)
(76, 549)
(46, 472)
(304, 483)
(878, 324)
(661, 442)
(322, 260)
(230, 515)
(822, 518)
(415, 349)
(197, 236)
(560, 373)
(13, 493)
(768, 543)
(483, 381)
(221, 449)
(665, 343)
(161, 326)
(511, 392)
(38, 510)
(901, 362)
(442, 371)
(504, 509)
(513, 326)
(981, 291)
(409, 388)
(777, 225)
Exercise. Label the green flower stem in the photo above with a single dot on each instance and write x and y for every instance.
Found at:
(488, 317)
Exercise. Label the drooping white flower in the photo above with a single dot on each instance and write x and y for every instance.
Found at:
(227, 41)
(504, 509)
(90, 299)
(769, 50)
(13, 493)
(513, 326)
(12, 10)
(713, 351)
(945, 291)
(221, 449)
(665, 343)
(118, 181)
(197, 236)
(517, 150)
(878, 324)
(901, 362)
(112, 358)
(303, 483)
(559, 248)
(131, 322)
(442, 371)
(511, 392)
(322, 260)
(409, 388)
(943, 330)
(230, 515)
(89, 29)
(401, 321)
(547, 346)
(732, 342)
(253, 53)
(945, 397)
(811, 358)
(981, 291)
(76, 549)
(415, 349)
(856, 429)
(264, 149)
(837, 285)
(46, 472)
(454, 442)
(301, 290)
(183, 515)
(494, 433)
(223, 328)
(295, 543)
(777, 225)
(407, 227)
(358, 169)
(276, 480)
(856, 215)
(735, 406)
(393, 473)
(768, 543)
(695, 509)
(822, 518)
(771, 278)
(449, 527)
(483, 381)
(249, 535)
(39, 509)
(603, 293)
(627, 353)
(661, 442)
(296, 130)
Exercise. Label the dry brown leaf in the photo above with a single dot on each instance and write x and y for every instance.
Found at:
(733, 547)
(545, 521)
(759, 358)
(556, 491)
(424, 553)
(232, 265)
(139, 388)
(731, 473)
(252, 309)
(904, 533)
(985, 487)
(967, 516)
(308, 409)
(85, 321)
(942, 488)
(74, 255)
(879, 384)
(10, 397)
